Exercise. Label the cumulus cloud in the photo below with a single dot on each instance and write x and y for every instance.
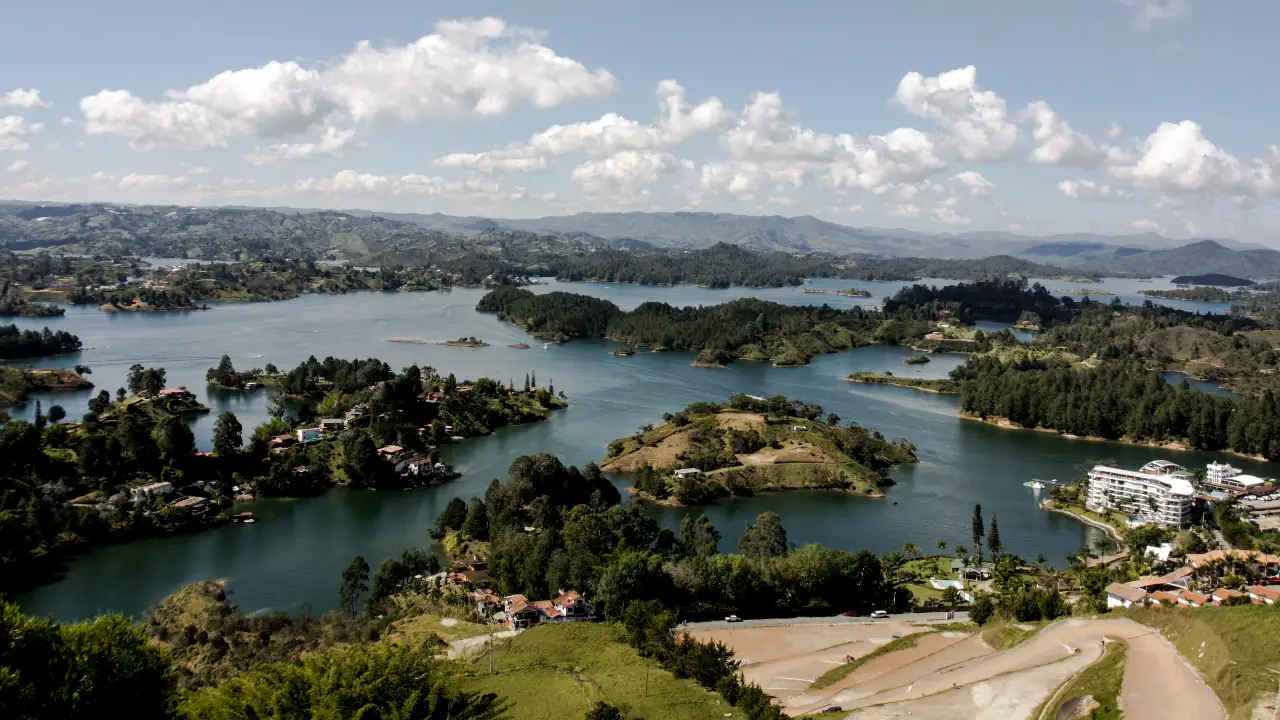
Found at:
(351, 182)
(1147, 13)
(1178, 158)
(626, 171)
(1083, 189)
(13, 132)
(465, 69)
(332, 144)
(17, 166)
(974, 183)
(977, 120)
(135, 181)
(905, 211)
(28, 99)
(1057, 143)
(612, 134)
(65, 121)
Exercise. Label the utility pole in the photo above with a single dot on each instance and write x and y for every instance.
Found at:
(491, 644)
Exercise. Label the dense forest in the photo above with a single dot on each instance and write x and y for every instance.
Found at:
(914, 268)
(1196, 294)
(720, 265)
(1118, 400)
(15, 343)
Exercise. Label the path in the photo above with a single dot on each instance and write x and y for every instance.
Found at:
(1159, 683)
(931, 618)
(461, 648)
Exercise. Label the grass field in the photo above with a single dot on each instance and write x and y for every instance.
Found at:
(1101, 680)
(1234, 648)
(557, 672)
(836, 674)
(417, 629)
(1001, 636)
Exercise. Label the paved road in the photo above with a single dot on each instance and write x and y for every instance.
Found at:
(919, 618)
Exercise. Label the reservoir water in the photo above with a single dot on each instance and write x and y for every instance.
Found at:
(292, 557)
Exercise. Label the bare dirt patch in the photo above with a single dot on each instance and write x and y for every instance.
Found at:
(665, 454)
(740, 420)
(798, 452)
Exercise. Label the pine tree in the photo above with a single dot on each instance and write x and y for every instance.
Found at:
(978, 531)
(993, 540)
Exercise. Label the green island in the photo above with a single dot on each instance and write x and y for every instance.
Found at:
(915, 360)
(14, 305)
(1084, 291)
(21, 344)
(17, 383)
(1218, 279)
(944, 386)
(851, 292)
(1197, 294)
(748, 446)
(224, 376)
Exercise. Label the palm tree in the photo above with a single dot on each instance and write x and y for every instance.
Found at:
(910, 549)
(942, 545)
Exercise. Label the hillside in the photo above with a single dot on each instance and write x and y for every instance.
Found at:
(749, 446)
(1198, 258)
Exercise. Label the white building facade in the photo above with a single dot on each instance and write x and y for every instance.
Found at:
(1160, 492)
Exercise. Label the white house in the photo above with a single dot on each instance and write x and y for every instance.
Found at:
(1121, 595)
(305, 434)
(156, 488)
(1268, 595)
(685, 472)
(1160, 491)
(1160, 552)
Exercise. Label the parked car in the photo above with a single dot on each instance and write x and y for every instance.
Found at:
(733, 618)
(879, 614)
(849, 613)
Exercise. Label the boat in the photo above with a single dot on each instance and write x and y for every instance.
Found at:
(1035, 484)
(546, 346)
(245, 517)
(624, 352)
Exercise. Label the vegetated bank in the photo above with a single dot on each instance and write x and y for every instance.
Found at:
(21, 344)
(748, 446)
(17, 383)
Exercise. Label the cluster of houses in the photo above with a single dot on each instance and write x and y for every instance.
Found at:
(516, 611)
(1181, 588)
(190, 503)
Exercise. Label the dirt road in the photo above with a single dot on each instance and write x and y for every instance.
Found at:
(1157, 678)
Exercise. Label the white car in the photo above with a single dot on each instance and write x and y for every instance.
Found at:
(878, 614)
(733, 618)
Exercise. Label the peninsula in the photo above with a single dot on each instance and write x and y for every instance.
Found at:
(748, 446)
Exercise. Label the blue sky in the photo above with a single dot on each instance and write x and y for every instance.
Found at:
(1026, 116)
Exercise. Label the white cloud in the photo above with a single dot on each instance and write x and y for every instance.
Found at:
(1114, 131)
(65, 121)
(626, 171)
(466, 69)
(1178, 158)
(135, 181)
(1083, 189)
(26, 99)
(1145, 225)
(905, 211)
(352, 183)
(17, 166)
(1057, 143)
(847, 209)
(332, 144)
(1148, 12)
(13, 131)
(975, 183)
(977, 120)
(677, 123)
(944, 213)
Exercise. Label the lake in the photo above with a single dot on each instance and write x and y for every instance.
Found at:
(292, 557)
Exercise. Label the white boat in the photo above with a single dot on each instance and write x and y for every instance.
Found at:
(1034, 484)
(546, 346)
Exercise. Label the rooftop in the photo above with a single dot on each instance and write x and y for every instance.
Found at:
(1177, 484)
(1132, 594)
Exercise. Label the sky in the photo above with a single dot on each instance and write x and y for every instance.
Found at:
(1026, 116)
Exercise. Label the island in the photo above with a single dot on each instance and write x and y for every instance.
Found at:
(15, 343)
(748, 446)
(17, 383)
(944, 386)
(851, 292)
(13, 305)
(1196, 294)
(915, 360)
(1084, 291)
(1216, 279)
(465, 342)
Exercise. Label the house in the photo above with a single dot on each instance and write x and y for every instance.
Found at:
(1222, 595)
(486, 602)
(1162, 597)
(1121, 595)
(356, 414)
(1259, 561)
(1223, 475)
(799, 427)
(464, 389)
(686, 472)
(193, 505)
(1178, 578)
(1191, 598)
(935, 336)
(389, 450)
(1161, 552)
(156, 488)
(1268, 595)
(985, 571)
(567, 607)
(179, 393)
(433, 397)
(572, 606)
(331, 425)
(308, 434)
(282, 441)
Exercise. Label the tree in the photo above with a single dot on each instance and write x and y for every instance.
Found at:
(360, 459)
(83, 370)
(603, 711)
(476, 524)
(175, 440)
(982, 609)
(698, 536)
(766, 538)
(227, 431)
(978, 531)
(910, 549)
(355, 583)
(993, 540)
(56, 414)
(145, 381)
(450, 519)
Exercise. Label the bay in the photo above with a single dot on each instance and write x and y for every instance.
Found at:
(292, 557)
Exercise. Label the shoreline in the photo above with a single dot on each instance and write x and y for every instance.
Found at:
(1110, 531)
(671, 502)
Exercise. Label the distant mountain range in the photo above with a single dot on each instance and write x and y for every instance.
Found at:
(356, 234)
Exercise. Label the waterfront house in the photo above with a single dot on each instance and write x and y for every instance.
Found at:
(1224, 476)
(686, 472)
(156, 488)
(1121, 595)
(193, 505)
(178, 393)
(308, 434)
(1264, 594)
(332, 425)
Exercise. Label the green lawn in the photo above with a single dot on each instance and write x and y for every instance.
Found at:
(838, 673)
(1101, 680)
(417, 629)
(1234, 648)
(558, 672)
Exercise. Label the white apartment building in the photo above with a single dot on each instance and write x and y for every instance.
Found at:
(1223, 475)
(1160, 492)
